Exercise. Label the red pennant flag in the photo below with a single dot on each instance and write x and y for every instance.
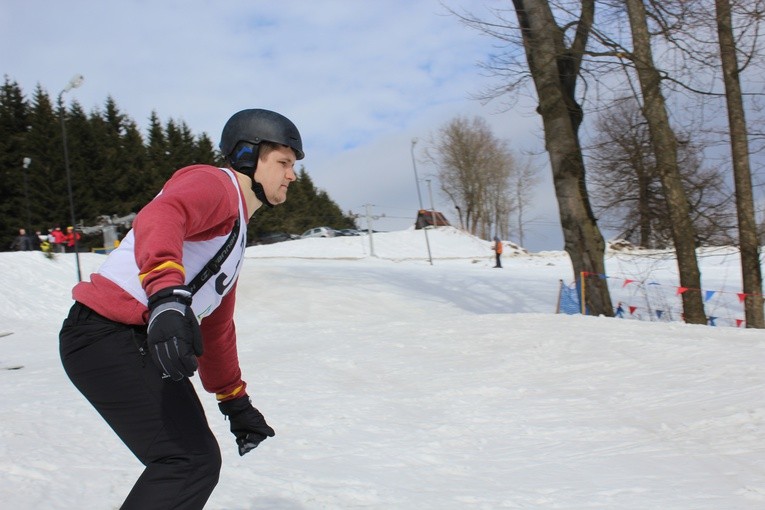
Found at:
(627, 282)
(741, 297)
(681, 290)
(739, 322)
(632, 310)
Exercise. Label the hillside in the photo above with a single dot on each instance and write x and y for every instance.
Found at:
(392, 383)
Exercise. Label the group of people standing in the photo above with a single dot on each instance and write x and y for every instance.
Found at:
(55, 240)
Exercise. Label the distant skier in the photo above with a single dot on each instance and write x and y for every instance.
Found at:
(497, 252)
(137, 331)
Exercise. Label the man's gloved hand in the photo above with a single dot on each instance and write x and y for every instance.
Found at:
(247, 424)
(174, 337)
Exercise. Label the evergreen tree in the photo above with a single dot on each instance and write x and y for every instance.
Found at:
(114, 171)
(108, 175)
(306, 207)
(47, 175)
(159, 166)
(181, 146)
(14, 119)
(86, 163)
(205, 152)
(136, 180)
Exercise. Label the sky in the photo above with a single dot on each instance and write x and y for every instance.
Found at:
(393, 383)
(360, 79)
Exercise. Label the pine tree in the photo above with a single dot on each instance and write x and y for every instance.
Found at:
(306, 207)
(159, 167)
(14, 120)
(114, 170)
(47, 175)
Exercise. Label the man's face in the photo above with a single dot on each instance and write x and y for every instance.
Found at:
(275, 173)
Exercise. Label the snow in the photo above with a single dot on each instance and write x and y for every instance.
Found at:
(396, 384)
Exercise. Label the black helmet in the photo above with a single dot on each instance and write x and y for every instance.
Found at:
(250, 127)
(241, 137)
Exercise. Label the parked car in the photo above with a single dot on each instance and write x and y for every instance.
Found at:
(348, 232)
(318, 232)
(273, 237)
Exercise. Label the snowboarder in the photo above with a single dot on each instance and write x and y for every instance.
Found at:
(138, 331)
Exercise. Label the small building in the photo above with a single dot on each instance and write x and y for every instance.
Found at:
(426, 218)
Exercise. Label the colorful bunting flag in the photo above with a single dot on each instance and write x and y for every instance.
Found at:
(707, 294)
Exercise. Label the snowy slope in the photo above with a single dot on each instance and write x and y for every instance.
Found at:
(392, 383)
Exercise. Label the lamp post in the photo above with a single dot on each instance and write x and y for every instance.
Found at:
(432, 209)
(75, 82)
(27, 162)
(416, 179)
(419, 197)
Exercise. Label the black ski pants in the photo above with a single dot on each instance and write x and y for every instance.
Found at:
(161, 421)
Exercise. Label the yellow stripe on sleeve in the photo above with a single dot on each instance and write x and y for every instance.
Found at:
(224, 396)
(165, 265)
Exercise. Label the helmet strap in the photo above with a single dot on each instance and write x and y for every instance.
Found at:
(260, 192)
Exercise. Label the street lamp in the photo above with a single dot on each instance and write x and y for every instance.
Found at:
(27, 162)
(432, 209)
(419, 197)
(416, 179)
(75, 82)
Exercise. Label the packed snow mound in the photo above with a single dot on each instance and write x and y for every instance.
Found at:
(397, 384)
(444, 243)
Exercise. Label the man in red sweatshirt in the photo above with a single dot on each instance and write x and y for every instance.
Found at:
(145, 322)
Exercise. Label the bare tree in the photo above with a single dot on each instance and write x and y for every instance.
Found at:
(523, 182)
(687, 70)
(474, 169)
(623, 181)
(665, 150)
(626, 189)
(554, 65)
(747, 224)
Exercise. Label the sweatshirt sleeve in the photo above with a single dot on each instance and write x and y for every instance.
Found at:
(219, 364)
(197, 203)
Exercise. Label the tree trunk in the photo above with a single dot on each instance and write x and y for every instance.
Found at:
(555, 69)
(665, 149)
(644, 206)
(747, 226)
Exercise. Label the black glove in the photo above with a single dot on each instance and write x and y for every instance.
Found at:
(247, 424)
(174, 337)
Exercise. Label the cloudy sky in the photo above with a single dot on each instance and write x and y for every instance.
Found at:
(361, 79)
